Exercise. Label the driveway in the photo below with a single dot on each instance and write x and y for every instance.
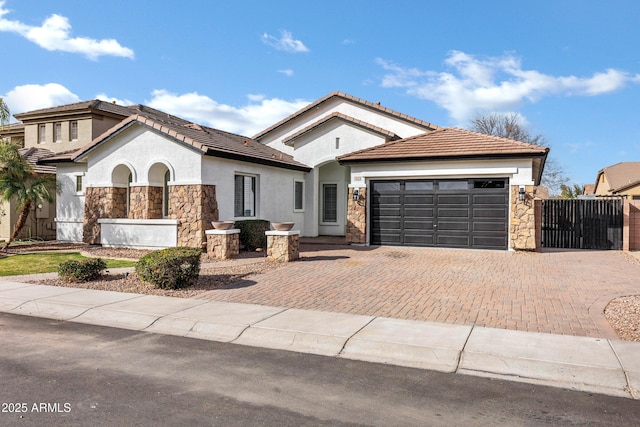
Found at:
(559, 292)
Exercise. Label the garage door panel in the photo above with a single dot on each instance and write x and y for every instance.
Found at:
(467, 215)
(416, 199)
(418, 239)
(452, 199)
(387, 211)
(453, 213)
(418, 225)
(489, 199)
(453, 226)
(488, 226)
(490, 213)
(453, 240)
(415, 212)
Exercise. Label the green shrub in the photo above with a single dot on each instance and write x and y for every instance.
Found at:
(170, 268)
(252, 233)
(81, 271)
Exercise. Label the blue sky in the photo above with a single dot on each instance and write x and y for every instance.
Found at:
(570, 68)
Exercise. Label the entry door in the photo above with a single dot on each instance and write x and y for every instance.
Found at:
(469, 213)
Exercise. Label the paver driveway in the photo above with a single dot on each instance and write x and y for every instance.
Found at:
(560, 292)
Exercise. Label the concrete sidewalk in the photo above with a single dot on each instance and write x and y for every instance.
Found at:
(596, 365)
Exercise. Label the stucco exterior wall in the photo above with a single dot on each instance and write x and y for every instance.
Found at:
(274, 189)
(70, 203)
(87, 130)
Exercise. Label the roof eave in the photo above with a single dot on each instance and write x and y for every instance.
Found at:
(256, 160)
(444, 158)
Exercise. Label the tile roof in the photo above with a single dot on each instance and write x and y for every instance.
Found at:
(622, 175)
(446, 143)
(343, 117)
(77, 107)
(33, 155)
(208, 141)
(377, 107)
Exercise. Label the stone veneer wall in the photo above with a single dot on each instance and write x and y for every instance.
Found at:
(283, 248)
(223, 246)
(102, 202)
(357, 217)
(523, 220)
(145, 203)
(195, 206)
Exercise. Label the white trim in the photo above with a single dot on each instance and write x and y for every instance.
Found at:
(282, 233)
(222, 232)
(321, 212)
(138, 221)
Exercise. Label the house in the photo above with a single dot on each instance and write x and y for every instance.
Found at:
(341, 166)
(156, 180)
(53, 130)
(621, 179)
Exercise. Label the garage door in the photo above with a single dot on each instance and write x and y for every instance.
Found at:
(468, 213)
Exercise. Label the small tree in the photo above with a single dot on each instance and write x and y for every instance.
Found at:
(5, 114)
(570, 191)
(510, 126)
(19, 182)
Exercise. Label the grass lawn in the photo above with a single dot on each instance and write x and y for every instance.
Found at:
(47, 262)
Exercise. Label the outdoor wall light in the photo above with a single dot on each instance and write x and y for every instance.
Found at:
(356, 195)
(522, 195)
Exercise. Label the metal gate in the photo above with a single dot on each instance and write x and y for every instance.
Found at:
(582, 224)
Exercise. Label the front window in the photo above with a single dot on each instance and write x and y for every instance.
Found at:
(298, 196)
(57, 132)
(42, 132)
(165, 195)
(329, 202)
(78, 183)
(245, 196)
(73, 130)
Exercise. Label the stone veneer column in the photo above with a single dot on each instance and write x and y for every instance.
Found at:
(283, 246)
(101, 202)
(223, 244)
(145, 202)
(523, 219)
(357, 217)
(195, 206)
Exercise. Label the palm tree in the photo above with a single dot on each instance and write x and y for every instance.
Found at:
(19, 182)
(5, 114)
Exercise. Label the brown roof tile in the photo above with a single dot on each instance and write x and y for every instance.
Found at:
(446, 143)
(33, 155)
(209, 141)
(77, 107)
(347, 97)
(339, 116)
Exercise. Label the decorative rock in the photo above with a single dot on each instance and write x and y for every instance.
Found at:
(357, 217)
(283, 246)
(223, 244)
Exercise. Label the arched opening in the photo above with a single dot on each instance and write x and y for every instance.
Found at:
(159, 177)
(122, 177)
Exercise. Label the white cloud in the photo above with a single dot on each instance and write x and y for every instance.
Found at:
(258, 114)
(286, 42)
(288, 72)
(499, 84)
(104, 97)
(33, 97)
(55, 34)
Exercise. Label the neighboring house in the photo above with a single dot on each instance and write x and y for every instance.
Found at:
(55, 130)
(621, 179)
(341, 166)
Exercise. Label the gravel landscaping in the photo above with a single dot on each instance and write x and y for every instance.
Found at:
(623, 313)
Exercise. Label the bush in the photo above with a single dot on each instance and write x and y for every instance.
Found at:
(170, 268)
(252, 233)
(81, 271)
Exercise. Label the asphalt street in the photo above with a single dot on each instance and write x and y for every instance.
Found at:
(62, 373)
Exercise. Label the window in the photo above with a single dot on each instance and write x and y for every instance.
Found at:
(78, 183)
(329, 202)
(453, 185)
(57, 132)
(73, 130)
(298, 196)
(245, 196)
(42, 134)
(165, 195)
(635, 198)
